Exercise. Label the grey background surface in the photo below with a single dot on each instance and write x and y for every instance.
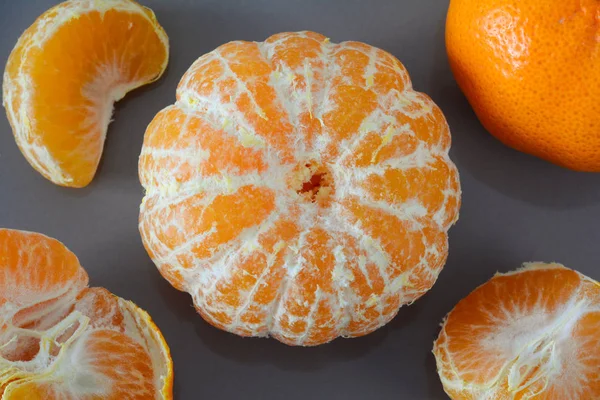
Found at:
(515, 208)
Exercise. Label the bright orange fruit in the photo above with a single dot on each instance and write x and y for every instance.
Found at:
(531, 71)
(65, 73)
(530, 334)
(60, 339)
(298, 188)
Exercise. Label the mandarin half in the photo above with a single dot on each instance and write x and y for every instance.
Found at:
(65, 73)
(529, 334)
(298, 188)
(61, 340)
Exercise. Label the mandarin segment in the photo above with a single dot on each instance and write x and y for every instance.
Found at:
(65, 73)
(531, 333)
(298, 188)
(60, 339)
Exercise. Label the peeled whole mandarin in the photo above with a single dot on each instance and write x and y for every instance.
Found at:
(531, 71)
(298, 188)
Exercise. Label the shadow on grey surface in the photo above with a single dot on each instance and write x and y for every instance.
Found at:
(434, 385)
(270, 351)
(514, 174)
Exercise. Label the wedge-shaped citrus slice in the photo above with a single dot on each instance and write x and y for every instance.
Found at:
(529, 334)
(65, 73)
(60, 339)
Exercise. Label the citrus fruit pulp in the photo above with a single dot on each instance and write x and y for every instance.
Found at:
(298, 188)
(60, 339)
(65, 73)
(529, 334)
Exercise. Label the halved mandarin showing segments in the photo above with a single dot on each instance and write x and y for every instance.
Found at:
(60, 339)
(298, 188)
(529, 334)
(65, 73)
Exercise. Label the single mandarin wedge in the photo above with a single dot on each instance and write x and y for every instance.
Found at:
(60, 340)
(65, 73)
(531, 71)
(298, 188)
(529, 334)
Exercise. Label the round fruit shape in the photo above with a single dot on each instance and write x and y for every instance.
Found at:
(529, 334)
(531, 71)
(65, 73)
(60, 339)
(298, 188)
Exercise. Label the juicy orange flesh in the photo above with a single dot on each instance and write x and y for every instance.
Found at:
(245, 208)
(105, 361)
(89, 61)
(177, 131)
(49, 264)
(540, 319)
